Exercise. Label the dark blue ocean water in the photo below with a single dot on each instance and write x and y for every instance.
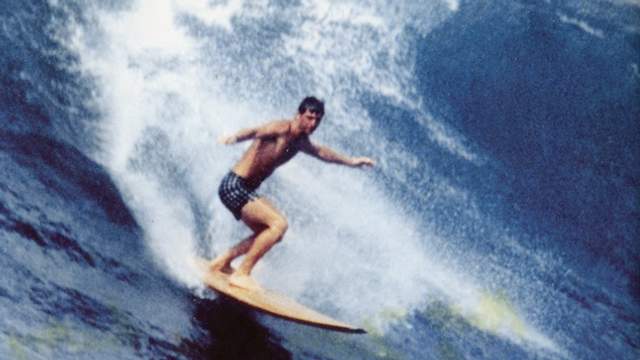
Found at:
(544, 94)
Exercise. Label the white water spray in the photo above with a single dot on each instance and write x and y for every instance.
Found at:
(174, 76)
